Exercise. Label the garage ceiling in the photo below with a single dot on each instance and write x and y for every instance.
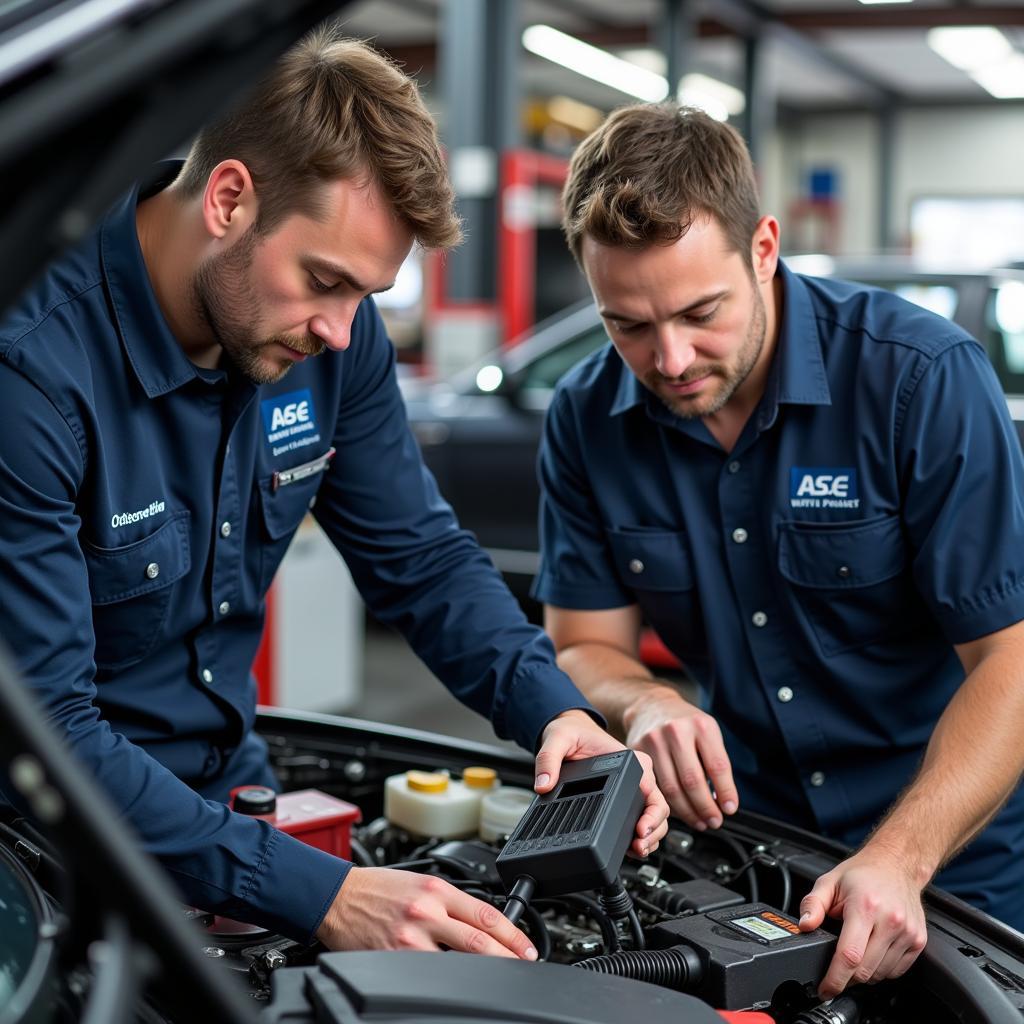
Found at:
(858, 55)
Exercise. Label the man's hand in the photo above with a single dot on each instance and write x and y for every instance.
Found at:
(381, 908)
(685, 745)
(883, 920)
(574, 735)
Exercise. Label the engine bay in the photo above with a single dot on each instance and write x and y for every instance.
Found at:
(703, 930)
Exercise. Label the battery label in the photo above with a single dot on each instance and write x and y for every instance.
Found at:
(760, 927)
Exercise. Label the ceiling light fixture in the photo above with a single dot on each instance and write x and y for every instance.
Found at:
(717, 99)
(985, 54)
(594, 63)
(969, 47)
(1004, 80)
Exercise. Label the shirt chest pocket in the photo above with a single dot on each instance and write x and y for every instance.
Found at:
(656, 566)
(850, 582)
(131, 590)
(282, 509)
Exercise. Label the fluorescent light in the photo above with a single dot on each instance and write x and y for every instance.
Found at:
(874, 2)
(970, 47)
(645, 57)
(1004, 80)
(719, 100)
(594, 63)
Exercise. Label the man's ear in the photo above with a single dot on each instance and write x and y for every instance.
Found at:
(764, 249)
(229, 202)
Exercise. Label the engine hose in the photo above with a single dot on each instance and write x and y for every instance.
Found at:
(678, 967)
(593, 910)
(841, 1010)
(539, 933)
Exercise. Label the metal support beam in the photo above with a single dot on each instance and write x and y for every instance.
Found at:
(759, 116)
(677, 30)
(748, 20)
(479, 58)
(886, 166)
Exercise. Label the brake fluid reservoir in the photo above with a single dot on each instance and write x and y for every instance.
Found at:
(431, 804)
(501, 810)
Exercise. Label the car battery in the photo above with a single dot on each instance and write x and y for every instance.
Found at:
(312, 817)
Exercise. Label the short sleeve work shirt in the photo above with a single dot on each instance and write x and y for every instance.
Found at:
(816, 577)
(145, 505)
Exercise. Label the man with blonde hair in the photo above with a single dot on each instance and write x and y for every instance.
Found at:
(174, 428)
(815, 494)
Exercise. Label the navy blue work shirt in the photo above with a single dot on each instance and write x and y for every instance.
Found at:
(144, 507)
(815, 578)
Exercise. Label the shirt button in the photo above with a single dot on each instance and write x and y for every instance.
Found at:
(224, 607)
(759, 619)
(817, 778)
(740, 536)
(843, 572)
(636, 566)
(225, 529)
(785, 694)
(152, 570)
(207, 676)
(734, 466)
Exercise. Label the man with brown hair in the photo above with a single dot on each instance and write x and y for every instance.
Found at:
(813, 491)
(173, 430)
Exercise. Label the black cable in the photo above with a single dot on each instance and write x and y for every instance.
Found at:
(745, 869)
(361, 855)
(618, 904)
(636, 928)
(787, 884)
(538, 929)
(652, 908)
(412, 865)
(592, 909)
(539, 933)
(519, 897)
(725, 839)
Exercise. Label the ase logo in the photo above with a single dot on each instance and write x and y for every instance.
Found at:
(289, 421)
(823, 487)
(289, 415)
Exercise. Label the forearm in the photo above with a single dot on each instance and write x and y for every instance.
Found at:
(617, 684)
(973, 762)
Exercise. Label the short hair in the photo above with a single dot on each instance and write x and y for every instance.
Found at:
(333, 108)
(650, 170)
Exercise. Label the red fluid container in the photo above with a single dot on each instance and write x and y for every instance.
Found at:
(312, 817)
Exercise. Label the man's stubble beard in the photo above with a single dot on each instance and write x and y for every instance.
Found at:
(688, 408)
(227, 303)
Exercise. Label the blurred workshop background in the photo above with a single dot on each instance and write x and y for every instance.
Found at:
(888, 139)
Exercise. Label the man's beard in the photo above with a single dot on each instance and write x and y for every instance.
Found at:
(227, 303)
(728, 379)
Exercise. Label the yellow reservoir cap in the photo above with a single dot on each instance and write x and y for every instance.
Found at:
(426, 782)
(479, 778)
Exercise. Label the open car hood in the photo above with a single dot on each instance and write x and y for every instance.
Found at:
(94, 91)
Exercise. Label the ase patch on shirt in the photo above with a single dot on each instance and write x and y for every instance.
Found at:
(823, 487)
(289, 421)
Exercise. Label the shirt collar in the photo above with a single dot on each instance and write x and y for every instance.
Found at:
(153, 351)
(797, 374)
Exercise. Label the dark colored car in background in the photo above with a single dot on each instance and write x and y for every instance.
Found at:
(480, 430)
